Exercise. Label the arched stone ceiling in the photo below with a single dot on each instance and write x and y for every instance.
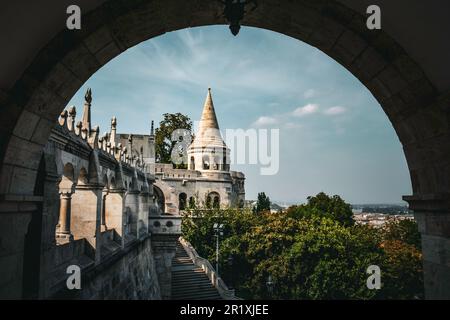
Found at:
(421, 27)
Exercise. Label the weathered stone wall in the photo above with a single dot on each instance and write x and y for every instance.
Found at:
(164, 248)
(128, 275)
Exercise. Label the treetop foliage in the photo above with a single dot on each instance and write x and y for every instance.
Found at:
(163, 134)
(312, 251)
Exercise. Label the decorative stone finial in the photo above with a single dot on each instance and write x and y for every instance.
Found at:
(72, 111)
(88, 96)
(72, 115)
(63, 118)
(94, 139)
(78, 128)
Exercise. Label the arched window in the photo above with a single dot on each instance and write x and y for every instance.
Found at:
(206, 164)
(68, 176)
(217, 165)
(208, 202)
(216, 202)
(191, 202)
(182, 198)
(213, 200)
(192, 163)
(225, 164)
(83, 176)
(159, 200)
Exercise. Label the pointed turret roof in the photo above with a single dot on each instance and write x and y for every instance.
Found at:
(209, 119)
(208, 131)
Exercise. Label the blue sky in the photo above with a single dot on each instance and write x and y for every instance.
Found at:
(334, 136)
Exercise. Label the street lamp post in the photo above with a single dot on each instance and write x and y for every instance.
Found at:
(218, 229)
(230, 264)
(269, 285)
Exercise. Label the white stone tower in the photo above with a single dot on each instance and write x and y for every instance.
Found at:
(208, 151)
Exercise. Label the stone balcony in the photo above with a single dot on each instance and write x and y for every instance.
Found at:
(165, 225)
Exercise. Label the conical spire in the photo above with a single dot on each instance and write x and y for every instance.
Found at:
(209, 119)
(208, 132)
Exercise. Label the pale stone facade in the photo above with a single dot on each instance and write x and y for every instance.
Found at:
(108, 205)
(96, 215)
(208, 181)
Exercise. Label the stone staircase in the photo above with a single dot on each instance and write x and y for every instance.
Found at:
(190, 282)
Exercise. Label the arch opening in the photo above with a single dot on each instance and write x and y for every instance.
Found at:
(406, 95)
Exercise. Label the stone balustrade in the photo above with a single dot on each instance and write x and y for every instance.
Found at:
(217, 282)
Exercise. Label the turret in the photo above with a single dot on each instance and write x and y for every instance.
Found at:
(208, 151)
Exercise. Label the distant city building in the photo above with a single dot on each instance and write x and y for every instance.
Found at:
(379, 219)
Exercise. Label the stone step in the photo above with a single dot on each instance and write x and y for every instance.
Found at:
(190, 282)
(187, 261)
(189, 271)
(182, 267)
(190, 279)
(199, 296)
(185, 274)
(194, 288)
(195, 295)
(202, 282)
(179, 276)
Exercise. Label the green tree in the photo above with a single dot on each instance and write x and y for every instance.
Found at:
(314, 258)
(403, 230)
(263, 203)
(163, 136)
(308, 253)
(323, 205)
(402, 271)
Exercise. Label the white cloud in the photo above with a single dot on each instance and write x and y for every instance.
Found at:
(265, 121)
(310, 93)
(333, 111)
(291, 125)
(303, 111)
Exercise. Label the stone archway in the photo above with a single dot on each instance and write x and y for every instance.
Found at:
(416, 109)
(159, 200)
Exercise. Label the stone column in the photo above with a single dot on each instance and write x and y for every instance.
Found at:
(132, 203)
(64, 234)
(115, 212)
(144, 207)
(86, 215)
(103, 226)
(432, 213)
(164, 247)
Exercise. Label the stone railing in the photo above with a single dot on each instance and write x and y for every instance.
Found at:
(164, 224)
(203, 263)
